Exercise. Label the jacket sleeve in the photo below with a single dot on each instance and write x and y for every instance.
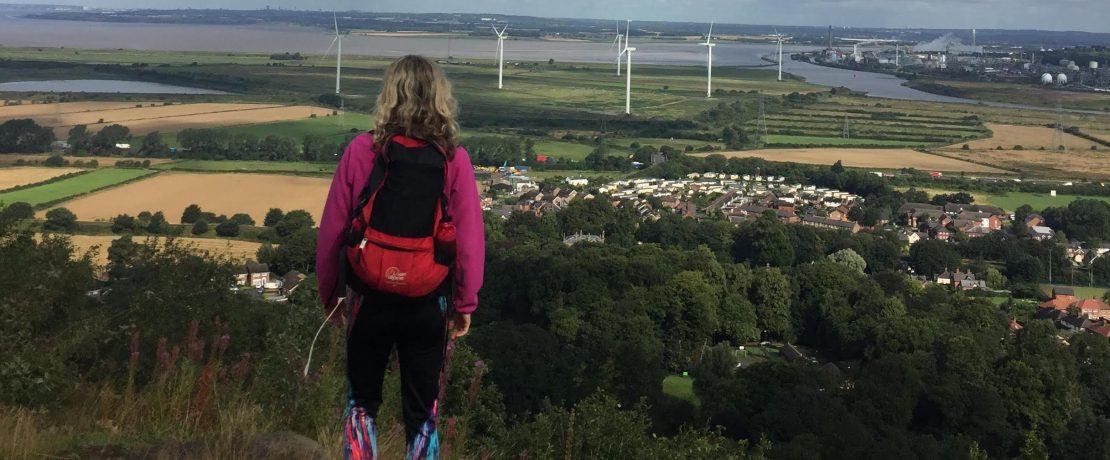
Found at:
(329, 242)
(466, 212)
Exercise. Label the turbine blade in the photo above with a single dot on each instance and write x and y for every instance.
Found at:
(336, 20)
(326, 53)
(710, 36)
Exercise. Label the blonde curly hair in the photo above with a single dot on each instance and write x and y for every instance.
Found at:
(416, 102)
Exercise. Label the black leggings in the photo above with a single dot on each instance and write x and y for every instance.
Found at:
(417, 327)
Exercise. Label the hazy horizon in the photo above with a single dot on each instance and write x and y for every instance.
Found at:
(1064, 15)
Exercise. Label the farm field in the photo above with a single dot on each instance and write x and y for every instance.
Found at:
(817, 141)
(1031, 94)
(1071, 165)
(1013, 200)
(248, 166)
(1029, 137)
(178, 117)
(235, 249)
(15, 177)
(863, 158)
(221, 193)
(9, 160)
(73, 186)
(334, 128)
(680, 387)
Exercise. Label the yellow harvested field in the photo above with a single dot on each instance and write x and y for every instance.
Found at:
(1028, 137)
(45, 111)
(227, 193)
(164, 118)
(14, 177)
(1073, 164)
(234, 249)
(8, 160)
(863, 158)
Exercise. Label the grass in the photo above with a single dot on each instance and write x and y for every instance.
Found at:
(333, 128)
(1082, 292)
(1038, 201)
(85, 183)
(249, 166)
(681, 387)
(815, 141)
(563, 150)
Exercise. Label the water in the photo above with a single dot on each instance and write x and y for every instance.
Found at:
(285, 38)
(101, 86)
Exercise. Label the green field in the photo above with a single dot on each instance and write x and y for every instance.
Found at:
(1039, 201)
(1082, 292)
(815, 141)
(680, 387)
(249, 166)
(334, 128)
(563, 150)
(66, 188)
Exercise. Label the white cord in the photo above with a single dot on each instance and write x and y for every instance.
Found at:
(308, 362)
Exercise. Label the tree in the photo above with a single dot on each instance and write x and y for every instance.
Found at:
(60, 219)
(838, 167)
(1024, 268)
(17, 211)
(23, 135)
(763, 242)
(78, 139)
(994, 278)
(738, 320)
(242, 219)
(158, 224)
(191, 214)
(314, 147)
(153, 146)
(1101, 269)
(279, 148)
(229, 228)
(932, 257)
(273, 216)
(105, 140)
(770, 292)
(123, 223)
(293, 221)
(850, 259)
(200, 227)
(296, 252)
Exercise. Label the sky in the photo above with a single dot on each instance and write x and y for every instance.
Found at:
(1081, 15)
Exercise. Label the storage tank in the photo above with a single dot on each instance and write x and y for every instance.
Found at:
(1094, 65)
(1046, 79)
(1062, 79)
(1073, 67)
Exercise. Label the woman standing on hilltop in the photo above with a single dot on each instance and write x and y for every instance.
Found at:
(401, 241)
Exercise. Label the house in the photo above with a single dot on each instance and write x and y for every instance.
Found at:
(939, 231)
(577, 181)
(1092, 308)
(1062, 298)
(1041, 233)
(833, 224)
(1034, 220)
(291, 281)
(908, 237)
(253, 274)
(959, 280)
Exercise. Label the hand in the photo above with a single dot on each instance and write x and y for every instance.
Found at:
(459, 325)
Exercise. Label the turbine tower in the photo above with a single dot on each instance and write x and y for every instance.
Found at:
(628, 71)
(620, 48)
(709, 65)
(500, 53)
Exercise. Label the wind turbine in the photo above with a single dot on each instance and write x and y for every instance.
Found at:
(780, 38)
(709, 65)
(338, 40)
(628, 71)
(620, 49)
(500, 53)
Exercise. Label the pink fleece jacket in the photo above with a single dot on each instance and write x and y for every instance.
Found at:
(463, 203)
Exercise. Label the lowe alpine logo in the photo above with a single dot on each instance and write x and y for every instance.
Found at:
(394, 275)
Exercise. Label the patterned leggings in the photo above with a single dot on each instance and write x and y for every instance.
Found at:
(417, 328)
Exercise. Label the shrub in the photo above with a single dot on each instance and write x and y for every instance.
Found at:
(200, 227)
(55, 161)
(122, 223)
(965, 147)
(1019, 147)
(242, 219)
(229, 228)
